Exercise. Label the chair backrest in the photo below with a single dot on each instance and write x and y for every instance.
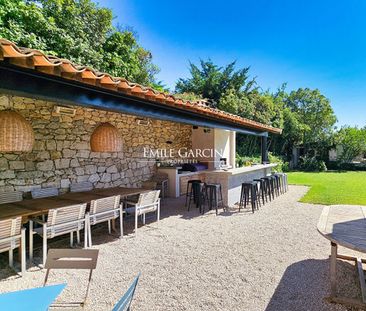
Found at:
(125, 302)
(148, 198)
(9, 228)
(66, 219)
(72, 259)
(44, 193)
(104, 204)
(82, 186)
(10, 197)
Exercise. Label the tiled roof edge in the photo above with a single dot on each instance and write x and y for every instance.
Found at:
(49, 64)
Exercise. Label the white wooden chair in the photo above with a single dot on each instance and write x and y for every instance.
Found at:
(82, 186)
(147, 202)
(44, 193)
(105, 209)
(10, 197)
(12, 236)
(60, 221)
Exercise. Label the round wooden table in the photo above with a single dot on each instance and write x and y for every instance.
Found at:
(345, 226)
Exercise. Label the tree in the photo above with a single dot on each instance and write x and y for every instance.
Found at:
(233, 91)
(78, 30)
(212, 82)
(316, 114)
(236, 103)
(353, 142)
(291, 134)
(266, 109)
(308, 122)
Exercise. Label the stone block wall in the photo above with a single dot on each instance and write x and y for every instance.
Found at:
(61, 153)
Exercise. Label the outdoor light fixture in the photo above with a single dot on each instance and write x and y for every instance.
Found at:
(67, 111)
(105, 138)
(142, 121)
(16, 133)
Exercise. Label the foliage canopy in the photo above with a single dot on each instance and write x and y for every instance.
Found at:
(305, 115)
(352, 141)
(78, 30)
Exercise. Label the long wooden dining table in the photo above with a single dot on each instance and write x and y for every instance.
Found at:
(35, 207)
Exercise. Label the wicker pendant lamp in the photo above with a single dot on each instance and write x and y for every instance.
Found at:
(105, 138)
(16, 134)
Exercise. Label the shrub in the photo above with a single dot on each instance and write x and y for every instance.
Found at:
(282, 165)
(285, 167)
(343, 166)
(312, 164)
(246, 161)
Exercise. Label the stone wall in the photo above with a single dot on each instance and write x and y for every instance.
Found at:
(61, 154)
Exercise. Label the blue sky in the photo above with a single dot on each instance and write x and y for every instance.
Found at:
(315, 44)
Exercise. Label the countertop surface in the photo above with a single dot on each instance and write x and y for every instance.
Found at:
(243, 170)
(231, 171)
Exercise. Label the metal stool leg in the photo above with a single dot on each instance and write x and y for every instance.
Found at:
(252, 197)
(241, 197)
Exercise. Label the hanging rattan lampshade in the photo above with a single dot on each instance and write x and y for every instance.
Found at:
(105, 138)
(16, 134)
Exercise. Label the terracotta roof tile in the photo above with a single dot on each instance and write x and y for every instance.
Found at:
(53, 65)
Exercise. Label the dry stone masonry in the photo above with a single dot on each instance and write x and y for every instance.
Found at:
(61, 153)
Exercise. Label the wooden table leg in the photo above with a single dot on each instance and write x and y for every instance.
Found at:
(333, 270)
(361, 276)
(114, 225)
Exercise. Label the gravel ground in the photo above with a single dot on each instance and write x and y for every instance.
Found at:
(271, 260)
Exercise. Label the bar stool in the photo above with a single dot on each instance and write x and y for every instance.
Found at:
(283, 180)
(276, 183)
(269, 187)
(262, 190)
(198, 196)
(189, 191)
(214, 196)
(273, 181)
(249, 191)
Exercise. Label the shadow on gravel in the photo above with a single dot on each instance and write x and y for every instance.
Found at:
(305, 284)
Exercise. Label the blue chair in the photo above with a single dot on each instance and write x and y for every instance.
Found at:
(34, 299)
(124, 304)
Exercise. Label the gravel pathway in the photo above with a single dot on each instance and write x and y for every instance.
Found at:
(271, 260)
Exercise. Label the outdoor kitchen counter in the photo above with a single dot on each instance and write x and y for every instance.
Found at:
(232, 179)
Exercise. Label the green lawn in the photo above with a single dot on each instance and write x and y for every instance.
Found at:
(331, 188)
